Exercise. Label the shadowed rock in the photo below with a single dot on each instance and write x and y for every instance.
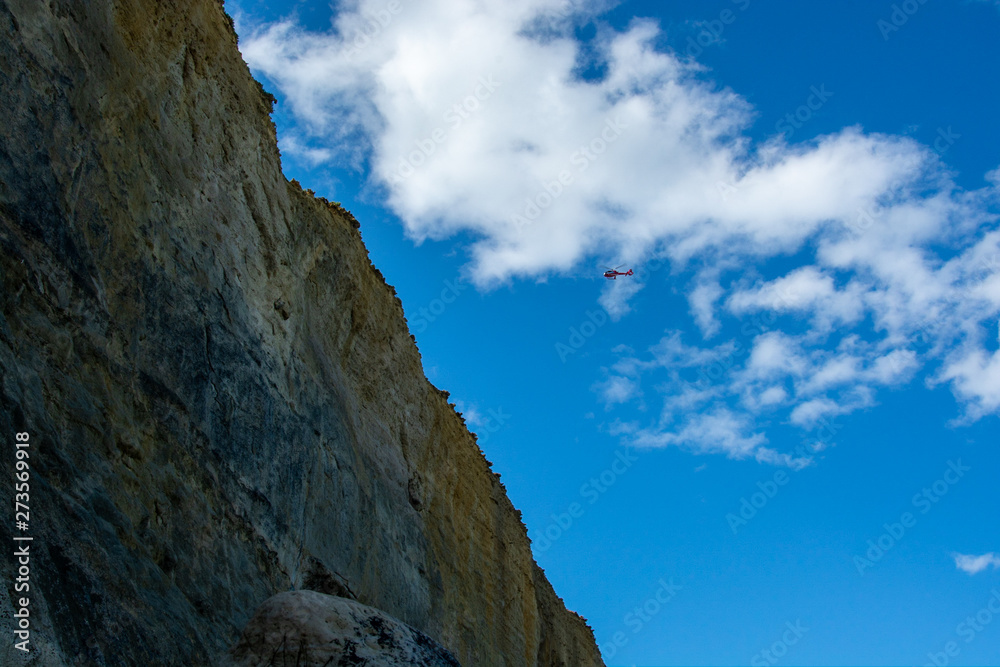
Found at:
(307, 628)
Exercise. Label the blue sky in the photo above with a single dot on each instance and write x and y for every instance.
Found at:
(777, 442)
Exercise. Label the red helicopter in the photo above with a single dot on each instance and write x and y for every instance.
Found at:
(612, 274)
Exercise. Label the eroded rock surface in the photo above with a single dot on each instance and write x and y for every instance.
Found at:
(313, 630)
(223, 398)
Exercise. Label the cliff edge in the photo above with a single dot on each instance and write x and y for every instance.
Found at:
(222, 396)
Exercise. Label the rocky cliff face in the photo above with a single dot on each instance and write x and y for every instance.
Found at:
(310, 628)
(222, 396)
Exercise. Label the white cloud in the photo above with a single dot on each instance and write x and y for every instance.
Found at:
(775, 354)
(893, 367)
(814, 410)
(689, 398)
(478, 143)
(293, 145)
(777, 378)
(548, 172)
(773, 395)
(838, 370)
(702, 299)
(975, 564)
(473, 417)
(720, 431)
(768, 455)
(975, 378)
(808, 290)
(671, 352)
(616, 296)
(797, 290)
(617, 389)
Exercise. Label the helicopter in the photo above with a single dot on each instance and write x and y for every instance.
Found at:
(612, 274)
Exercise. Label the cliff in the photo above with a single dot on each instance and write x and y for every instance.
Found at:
(222, 396)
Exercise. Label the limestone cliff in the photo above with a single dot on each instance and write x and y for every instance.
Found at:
(223, 399)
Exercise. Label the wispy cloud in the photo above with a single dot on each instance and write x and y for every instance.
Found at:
(617, 389)
(976, 564)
